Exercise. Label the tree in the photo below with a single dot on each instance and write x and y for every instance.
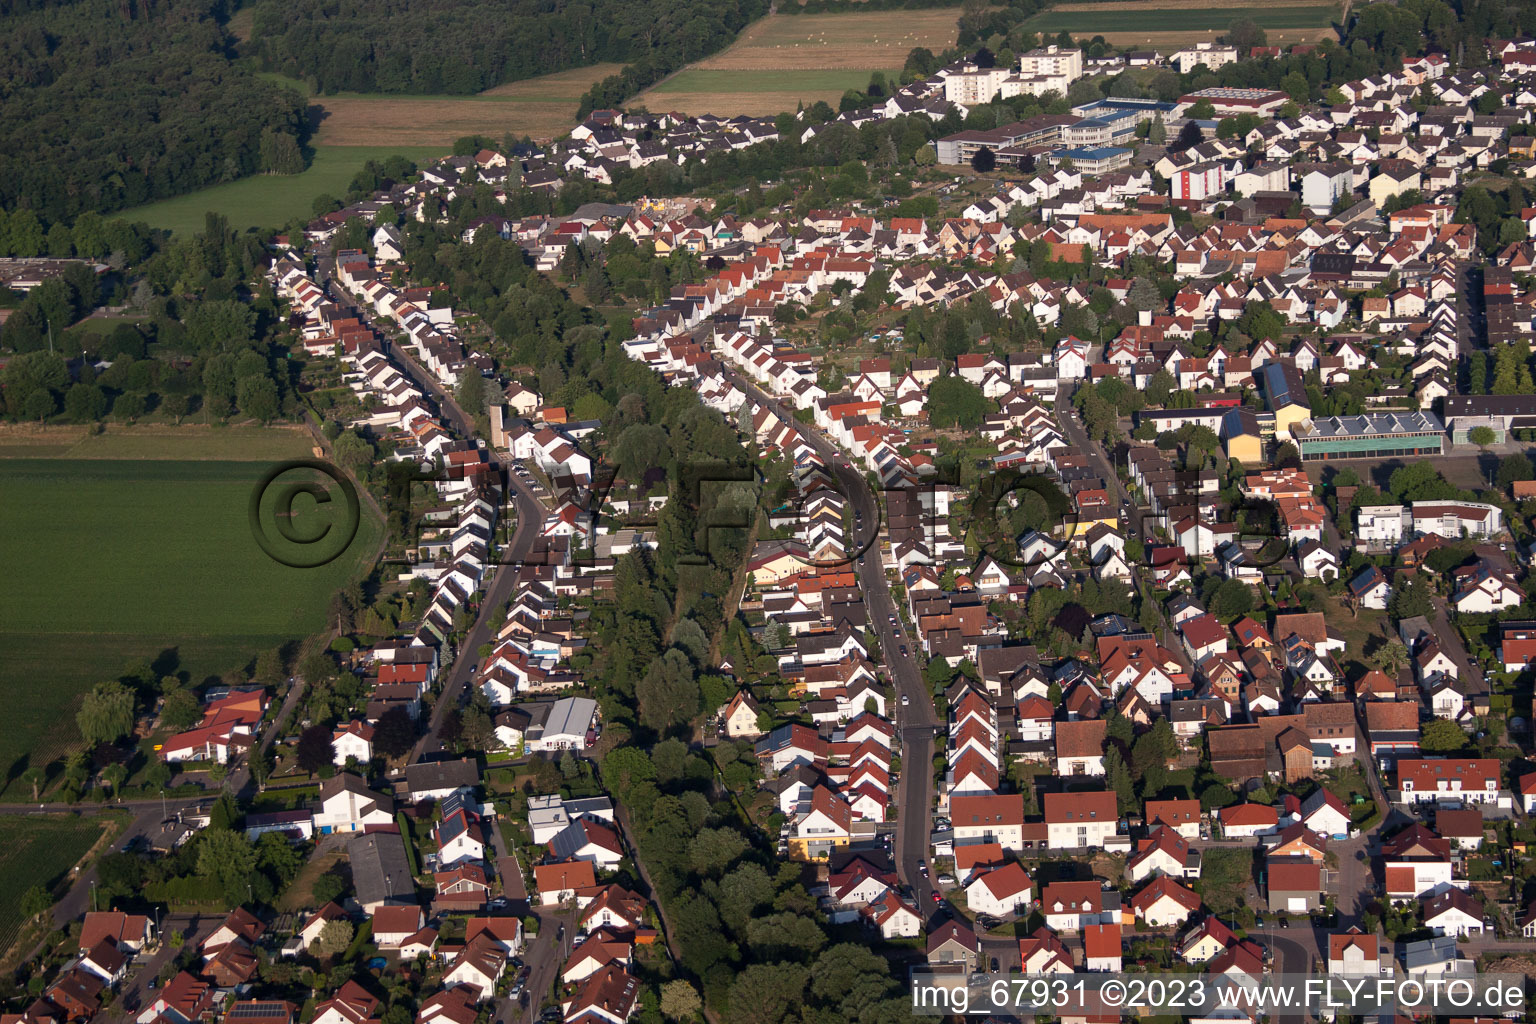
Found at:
(280, 153)
(715, 849)
(36, 900)
(257, 398)
(926, 155)
(680, 1000)
(470, 394)
(1390, 657)
(269, 667)
(334, 938)
(1118, 777)
(129, 406)
(1514, 468)
(317, 667)
(176, 404)
(85, 403)
(394, 734)
(114, 775)
(327, 888)
(1245, 34)
(983, 161)
(767, 993)
(107, 713)
(669, 691)
(1231, 599)
(478, 732)
(955, 401)
(180, 711)
(1160, 386)
(229, 859)
(1143, 295)
(1412, 599)
(1442, 736)
(30, 374)
(1157, 134)
(1481, 436)
(316, 751)
(626, 768)
(260, 764)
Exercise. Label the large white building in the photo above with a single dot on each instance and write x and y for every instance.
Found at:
(1209, 54)
(1452, 519)
(1200, 182)
(1054, 62)
(1379, 524)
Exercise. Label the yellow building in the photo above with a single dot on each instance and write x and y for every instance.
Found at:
(1242, 437)
(1285, 396)
(826, 827)
(776, 559)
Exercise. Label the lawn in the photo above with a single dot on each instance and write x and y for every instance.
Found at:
(1361, 631)
(542, 107)
(103, 325)
(40, 850)
(128, 558)
(272, 200)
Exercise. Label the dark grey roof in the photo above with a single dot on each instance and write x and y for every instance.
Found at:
(380, 872)
(432, 775)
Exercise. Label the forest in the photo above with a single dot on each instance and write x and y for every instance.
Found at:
(465, 46)
(106, 105)
(202, 349)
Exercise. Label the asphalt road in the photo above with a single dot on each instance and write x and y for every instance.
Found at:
(530, 519)
(545, 956)
(455, 691)
(915, 717)
(135, 993)
(1073, 428)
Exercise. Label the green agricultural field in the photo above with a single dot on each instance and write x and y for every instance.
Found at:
(272, 200)
(1167, 20)
(129, 557)
(40, 850)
